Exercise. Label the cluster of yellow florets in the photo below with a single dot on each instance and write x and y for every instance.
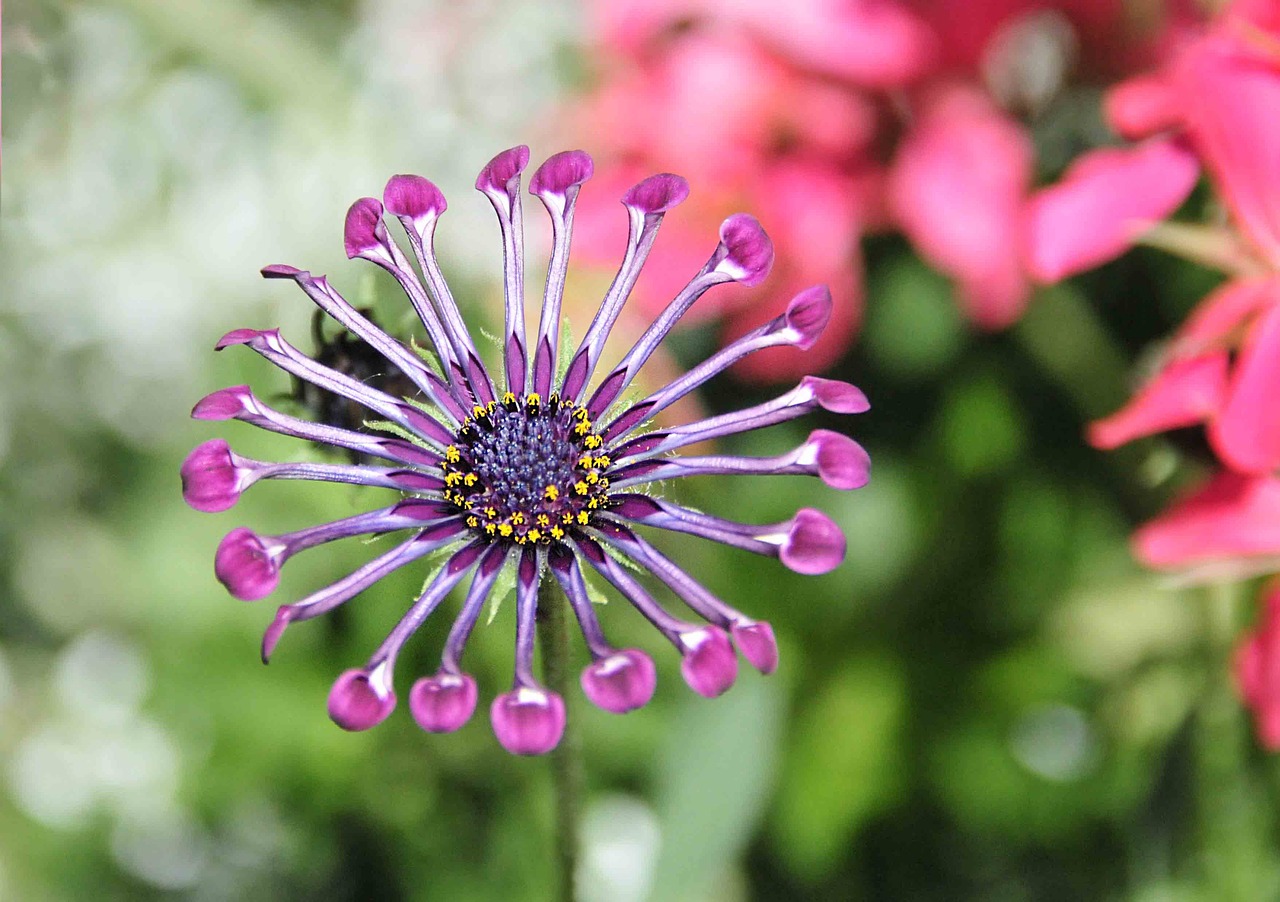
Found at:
(561, 507)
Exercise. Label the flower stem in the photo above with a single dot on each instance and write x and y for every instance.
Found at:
(566, 760)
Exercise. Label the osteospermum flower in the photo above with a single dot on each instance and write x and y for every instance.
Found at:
(539, 473)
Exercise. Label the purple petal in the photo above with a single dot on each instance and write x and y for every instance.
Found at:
(620, 682)
(211, 481)
(225, 404)
(814, 544)
(528, 720)
(657, 194)
(709, 665)
(248, 564)
(749, 252)
(498, 172)
(413, 198)
(361, 699)
(562, 171)
(808, 314)
(444, 702)
(756, 642)
(364, 234)
(842, 462)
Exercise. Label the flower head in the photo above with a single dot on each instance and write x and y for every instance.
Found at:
(546, 474)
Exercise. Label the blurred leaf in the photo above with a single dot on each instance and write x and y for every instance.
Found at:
(981, 427)
(713, 781)
(913, 329)
(843, 765)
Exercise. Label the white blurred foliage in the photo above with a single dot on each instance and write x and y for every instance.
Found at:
(145, 192)
(620, 840)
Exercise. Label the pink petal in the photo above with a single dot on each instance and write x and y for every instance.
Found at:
(1106, 199)
(1246, 434)
(1231, 516)
(1219, 316)
(1233, 97)
(957, 188)
(1183, 393)
(1144, 106)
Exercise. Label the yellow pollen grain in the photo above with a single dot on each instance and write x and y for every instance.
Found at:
(593, 442)
(533, 535)
(517, 518)
(508, 398)
(581, 488)
(505, 529)
(452, 454)
(584, 517)
(557, 532)
(543, 520)
(473, 522)
(551, 493)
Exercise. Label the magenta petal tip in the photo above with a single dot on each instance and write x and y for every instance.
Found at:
(499, 171)
(836, 396)
(364, 231)
(814, 544)
(709, 665)
(224, 404)
(528, 720)
(562, 171)
(413, 197)
(444, 702)
(236, 337)
(247, 564)
(271, 636)
(620, 682)
(210, 478)
(756, 641)
(657, 194)
(749, 251)
(808, 314)
(361, 699)
(281, 271)
(842, 462)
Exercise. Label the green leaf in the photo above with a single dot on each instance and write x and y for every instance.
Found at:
(503, 586)
(714, 780)
(398, 431)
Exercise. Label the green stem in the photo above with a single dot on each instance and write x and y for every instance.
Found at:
(566, 760)
(1231, 823)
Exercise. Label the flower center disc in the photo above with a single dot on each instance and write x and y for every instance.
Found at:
(527, 470)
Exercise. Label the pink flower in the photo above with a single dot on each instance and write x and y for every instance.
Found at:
(888, 111)
(1257, 671)
(1229, 518)
(956, 189)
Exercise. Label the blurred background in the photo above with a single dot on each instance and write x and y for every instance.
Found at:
(988, 700)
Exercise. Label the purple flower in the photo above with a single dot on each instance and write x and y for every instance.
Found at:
(540, 475)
